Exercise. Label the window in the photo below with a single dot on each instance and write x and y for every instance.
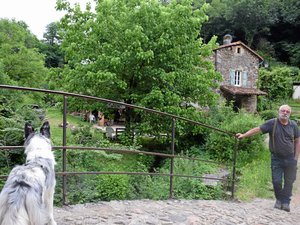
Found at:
(237, 78)
(238, 50)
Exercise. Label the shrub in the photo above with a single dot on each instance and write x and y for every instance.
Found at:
(277, 82)
(85, 135)
(195, 189)
(11, 134)
(111, 187)
(268, 114)
(187, 188)
(221, 146)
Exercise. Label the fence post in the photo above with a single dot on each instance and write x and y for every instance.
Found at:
(172, 159)
(234, 168)
(64, 161)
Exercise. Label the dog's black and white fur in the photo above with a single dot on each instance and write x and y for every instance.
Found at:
(27, 196)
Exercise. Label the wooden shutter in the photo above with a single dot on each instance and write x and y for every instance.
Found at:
(245, 78)
(231, 76)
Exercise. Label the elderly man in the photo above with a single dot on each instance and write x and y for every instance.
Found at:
(284, 145)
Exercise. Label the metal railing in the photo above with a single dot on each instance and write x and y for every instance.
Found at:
(64, 173)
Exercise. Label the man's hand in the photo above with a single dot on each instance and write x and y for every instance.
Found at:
(239, 135)
(249, 133)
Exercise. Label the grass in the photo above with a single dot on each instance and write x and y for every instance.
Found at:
(295, 104)
(55, 117)
(256, 179)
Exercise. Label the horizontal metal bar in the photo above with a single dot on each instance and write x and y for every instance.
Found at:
(137, 173)
(114, 102)
(10, 148)
(118, 151)
(128, 173)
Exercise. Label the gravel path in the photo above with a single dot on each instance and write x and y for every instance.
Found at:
(181, 212)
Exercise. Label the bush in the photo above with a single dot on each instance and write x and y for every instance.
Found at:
(194, 189)
(187, 188)
(11, 134)
(268, 114)
(277, 82)
(111, 187)
(88, 136)
(221, 146)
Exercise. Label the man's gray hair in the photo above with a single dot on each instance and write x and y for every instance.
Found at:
(285, 107)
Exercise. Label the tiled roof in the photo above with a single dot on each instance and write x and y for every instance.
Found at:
(234, 90)
(240, 43)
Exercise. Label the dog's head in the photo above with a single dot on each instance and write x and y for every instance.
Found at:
(29, 132)
(38, 144)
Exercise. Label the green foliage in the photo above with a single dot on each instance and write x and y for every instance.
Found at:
(270, 26)
(19, 58)
(221, 146)
(153, 144)
(277, 82)
(220, 113)
(51, 47)
(225, 18)
(112, 187)
(155, 58)
(12, 121)
(268, 114)
(88, 136)
(191, 188)
(259, 171)
(11, 128)
(11, 134)
(150, 187)
(292, 51)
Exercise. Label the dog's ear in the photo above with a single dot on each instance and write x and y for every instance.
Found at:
(45, 129)
(28, 129)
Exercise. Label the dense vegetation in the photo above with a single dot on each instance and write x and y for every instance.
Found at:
(152, 54)
(270, 26)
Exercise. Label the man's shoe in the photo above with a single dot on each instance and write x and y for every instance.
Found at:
(278, 205)
(285, 207)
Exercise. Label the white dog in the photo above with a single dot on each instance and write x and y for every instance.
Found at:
(27, 196)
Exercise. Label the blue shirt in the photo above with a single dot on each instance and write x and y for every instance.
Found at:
(282, 142)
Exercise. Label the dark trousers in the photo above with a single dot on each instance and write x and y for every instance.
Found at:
(284, 172)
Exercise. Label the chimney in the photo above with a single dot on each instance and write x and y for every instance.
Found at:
(227, 39)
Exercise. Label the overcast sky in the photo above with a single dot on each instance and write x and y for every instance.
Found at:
(37, 14)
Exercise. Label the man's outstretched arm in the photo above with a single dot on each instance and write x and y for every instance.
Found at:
(249, 133)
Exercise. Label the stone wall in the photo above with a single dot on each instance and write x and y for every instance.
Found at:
(228, 58)
(249, 103)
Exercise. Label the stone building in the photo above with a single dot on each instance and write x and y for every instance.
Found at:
(238, 65)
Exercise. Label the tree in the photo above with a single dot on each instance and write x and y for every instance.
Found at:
(217, 24)
(247, 20)
(271, 26)
(140, 52)
(277, 82)
(19, 56)
(285, 33)
(51, 47)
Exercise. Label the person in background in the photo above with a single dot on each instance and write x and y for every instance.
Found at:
(284, 146)
(92, 118)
